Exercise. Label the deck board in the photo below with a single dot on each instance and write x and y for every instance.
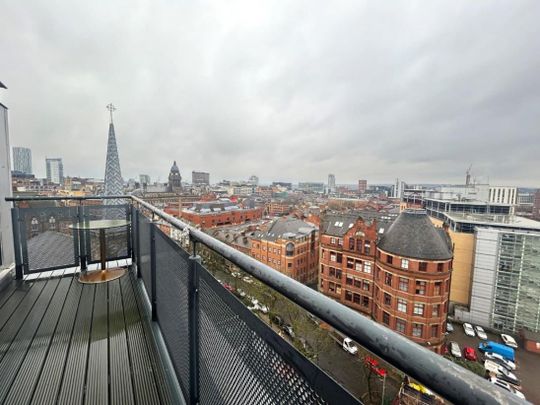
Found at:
(62, 342)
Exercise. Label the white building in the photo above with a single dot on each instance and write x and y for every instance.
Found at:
(6, 235)
(331, 183)
(55, 170)
(398, 188)
(22, 160)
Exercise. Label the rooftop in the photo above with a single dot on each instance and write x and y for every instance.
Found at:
(502, 221)
(286, 228)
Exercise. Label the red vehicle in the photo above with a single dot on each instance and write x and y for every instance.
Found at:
(469, 353)
(228, 287)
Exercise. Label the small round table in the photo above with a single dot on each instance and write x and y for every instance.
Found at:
(103, 275)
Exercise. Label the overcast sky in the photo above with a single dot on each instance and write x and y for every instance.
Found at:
(286, 90)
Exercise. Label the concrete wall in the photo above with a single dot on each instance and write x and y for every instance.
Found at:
(6, 238)
(460, 288)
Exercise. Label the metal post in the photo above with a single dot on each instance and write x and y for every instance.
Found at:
(138, 244)
(82, 239)
(153, 269)
(383, 389)
(193, 321)
(17, 242)
(132, 233)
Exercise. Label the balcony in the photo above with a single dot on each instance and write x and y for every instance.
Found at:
(169, 331)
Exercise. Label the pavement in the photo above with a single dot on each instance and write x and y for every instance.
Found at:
(528, 364)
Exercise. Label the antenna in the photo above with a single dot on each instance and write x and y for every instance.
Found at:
(111, 109)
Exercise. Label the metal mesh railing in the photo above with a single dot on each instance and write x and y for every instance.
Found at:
(46, 239)
(144, 251)
(172, 270)
(118, 241)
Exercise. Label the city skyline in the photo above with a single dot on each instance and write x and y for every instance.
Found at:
(432, 90)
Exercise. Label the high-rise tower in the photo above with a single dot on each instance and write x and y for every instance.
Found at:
(113, 175)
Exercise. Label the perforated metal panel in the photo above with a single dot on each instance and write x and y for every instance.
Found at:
(172, 267)
(144, 254)
(47, 241)
(118, 241)
(237, 364)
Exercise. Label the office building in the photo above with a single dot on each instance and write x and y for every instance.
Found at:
(398, 188)
(311, 187)
(412, 279)
(54, 170)
(536, 205)
(253, 180)
(331, 183)
(6, 241)
(22, 160)
(362, 186)
(217, 213)
(144, 179)
(506, 280)
(198, 178)
(290, 246)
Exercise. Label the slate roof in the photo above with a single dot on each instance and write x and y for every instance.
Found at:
(285, 228)
(413, 235)
(338, 224)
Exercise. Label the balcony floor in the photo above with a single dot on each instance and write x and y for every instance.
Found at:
(71, 343)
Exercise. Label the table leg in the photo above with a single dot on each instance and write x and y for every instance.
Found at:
(102, 248)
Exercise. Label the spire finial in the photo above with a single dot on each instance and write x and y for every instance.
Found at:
(111, 109)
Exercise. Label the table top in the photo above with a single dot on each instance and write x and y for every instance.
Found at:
(100, 224)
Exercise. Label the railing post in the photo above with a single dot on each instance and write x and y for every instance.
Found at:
(133, 223)
(153, 269)
(15, 221)
(193, 321)
(82, 238)
(138, 244)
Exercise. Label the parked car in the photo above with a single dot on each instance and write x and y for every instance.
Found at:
(229, 287)
(509, 341)
(501, 372)
(497, 358)
(236, 274)
(469, 353)
(349, 346)
(276, 320)
(507, 387)
(247, 279)
(493, 347)
(449, 327)
(454, 349)
(469, 331)
(289, 330)
(480, 332)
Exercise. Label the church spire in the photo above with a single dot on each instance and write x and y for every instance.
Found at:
(114, 184)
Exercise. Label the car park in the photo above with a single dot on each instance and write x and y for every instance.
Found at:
(480, 332)
(454, 349)
(506, 386)
(469, 331)
(497, 358)
(469, 353)
(509, 341)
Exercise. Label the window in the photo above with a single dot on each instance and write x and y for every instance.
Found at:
(421, 287)
(339, 257)
(52, 223)
(435, 310)
(331, 287)
(348, 295)
(289, 265)
(358, 265)
(440, 266)
(402, 305)
(332, 257)
(356, 298)
(349, 280)
(367, 267)
(359, 246)
(333, 241)
(437, 288)
(34, 225)
(322, 283)
(357, 282)
(340, 242)
(351, 244)
(400, 325)
(387, 279)
(387, 299)
(418, 309)
(434, 330)
(332, 272)
(366, 286)
(365, 301)
(338, 288)
(386, 318)
(350, 263)
(422, 266)
(404, 284)
(417, 329)
(367, 248)
(338, 273)
(389, 259)
(404, 264)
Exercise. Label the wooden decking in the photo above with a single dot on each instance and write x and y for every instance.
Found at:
(71, 343)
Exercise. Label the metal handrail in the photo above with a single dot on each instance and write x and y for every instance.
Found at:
(446, 378)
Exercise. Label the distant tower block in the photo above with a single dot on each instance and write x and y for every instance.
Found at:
(114, 185)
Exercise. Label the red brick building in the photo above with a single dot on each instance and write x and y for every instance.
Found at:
(290, 246)
(216, 213)
(398, 273)
(347, 260)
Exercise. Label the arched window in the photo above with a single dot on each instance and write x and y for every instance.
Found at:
(52, 223)
(34, 224)
(289, 249)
